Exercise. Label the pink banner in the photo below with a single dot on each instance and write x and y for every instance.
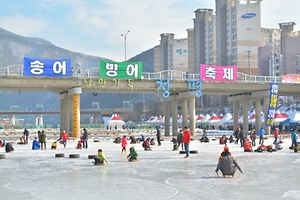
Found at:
(218, 73)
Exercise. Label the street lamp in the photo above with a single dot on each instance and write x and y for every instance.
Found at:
(125, 36)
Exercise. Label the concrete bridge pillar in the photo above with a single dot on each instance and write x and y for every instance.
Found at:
(12, 121)
(235, 115)
(257, 115)
(245, 117)
(92, 119)
(65, 107)
(266, 110)
(174, 116)
(167, 109)
(192, 111)
(244, 98)
(184, 112)
(70, 112)
(41, 120)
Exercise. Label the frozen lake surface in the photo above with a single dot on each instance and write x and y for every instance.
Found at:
(159, 174)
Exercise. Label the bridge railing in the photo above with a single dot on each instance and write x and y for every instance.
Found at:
(17, 70)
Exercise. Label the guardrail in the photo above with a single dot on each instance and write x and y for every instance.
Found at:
(17, 70)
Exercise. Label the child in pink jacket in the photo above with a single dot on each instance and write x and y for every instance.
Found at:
(124, 144)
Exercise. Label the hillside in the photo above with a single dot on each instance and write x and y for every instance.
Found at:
(13, 48)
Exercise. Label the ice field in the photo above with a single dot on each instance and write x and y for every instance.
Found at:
(159, 174)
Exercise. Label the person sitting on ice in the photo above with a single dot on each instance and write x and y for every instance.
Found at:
(247, 146)
(146, 145)
(79, 143)
(117, 140)
(142, 137)
(277, 145)
(174, 141)
(100, 158)
(133, 155)
(133, 140)
(225, 150)
(9, 148)
(22, 141)
(228, 165)
(152, 141)
(231, 140)
(1, 143)
(204, 138)
(53, 145)
(223, 140)
(35, 144)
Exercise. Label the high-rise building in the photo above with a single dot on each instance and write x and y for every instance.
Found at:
(238, 25)
(171, 54)
(204, 38)
(270, 37)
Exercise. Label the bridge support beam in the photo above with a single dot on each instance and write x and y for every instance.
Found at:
(192, 111)
(184, 113)
(257, 115)
(12, 121)
(245, 117)
(266, 109)
(174, 116)
(167, 107)
(70, 112)
(245, 102)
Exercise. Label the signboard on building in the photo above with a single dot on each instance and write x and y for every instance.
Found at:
(43, 67)
(290, 78)
(248, 15)
(128, 70)
(218, 73)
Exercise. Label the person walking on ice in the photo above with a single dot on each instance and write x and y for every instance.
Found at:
(124, 144)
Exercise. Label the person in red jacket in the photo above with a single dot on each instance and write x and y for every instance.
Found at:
(64, 137)
(247, 146)
(186, 139)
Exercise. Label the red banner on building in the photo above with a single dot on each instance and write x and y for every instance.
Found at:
(290, 78)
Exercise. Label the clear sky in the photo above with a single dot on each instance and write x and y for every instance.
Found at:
(94, 27)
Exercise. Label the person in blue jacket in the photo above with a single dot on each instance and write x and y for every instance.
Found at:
(294, 138)
(35, 144)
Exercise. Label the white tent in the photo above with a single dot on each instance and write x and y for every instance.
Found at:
(295, 116)
(206, 117)
(199, 119)
(278, 117)
(214, 119)
(152, 120)
(160, 120)
(114, 122)
(227, 117)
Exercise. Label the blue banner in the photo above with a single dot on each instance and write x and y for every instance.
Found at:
(43, 67)
(272, 103)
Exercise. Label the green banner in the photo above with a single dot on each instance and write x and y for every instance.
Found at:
(126, 70)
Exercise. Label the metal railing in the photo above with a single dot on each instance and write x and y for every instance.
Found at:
(17, 70)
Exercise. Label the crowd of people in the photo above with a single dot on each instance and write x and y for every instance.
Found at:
(227, 164)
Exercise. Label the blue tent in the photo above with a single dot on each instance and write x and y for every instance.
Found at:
(289, 121)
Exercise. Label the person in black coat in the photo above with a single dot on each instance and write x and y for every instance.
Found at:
(9, 148)
(158, 135)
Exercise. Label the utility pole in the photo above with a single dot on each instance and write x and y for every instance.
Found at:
(125, 37)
